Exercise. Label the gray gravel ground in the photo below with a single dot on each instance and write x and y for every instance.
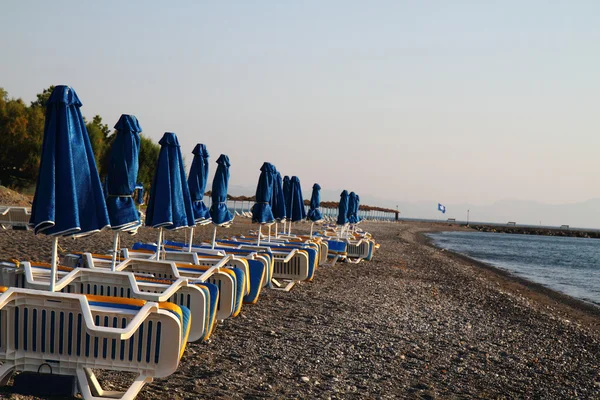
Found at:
(416, 322)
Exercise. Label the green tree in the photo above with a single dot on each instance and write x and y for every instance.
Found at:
(21, 132)
(42, 98)
(98, 134)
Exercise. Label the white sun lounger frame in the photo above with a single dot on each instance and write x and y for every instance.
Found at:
(169, 270)
(20, 353)
(118, 284)
(289, 267)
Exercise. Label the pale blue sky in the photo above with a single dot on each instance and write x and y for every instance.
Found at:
(441, 101)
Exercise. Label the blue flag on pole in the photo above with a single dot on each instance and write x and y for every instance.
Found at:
(442, 208)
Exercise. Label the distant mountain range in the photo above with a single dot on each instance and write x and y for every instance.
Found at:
(582, 215)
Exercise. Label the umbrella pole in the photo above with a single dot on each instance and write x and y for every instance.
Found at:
(311, 229)
(269, 233)
(191, 238)
(159, 243)
(276, 234)
(54, 264)
(214, 237)
(115, 247)
(259, 232)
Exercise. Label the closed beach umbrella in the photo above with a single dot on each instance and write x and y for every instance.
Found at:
(197, 180)
(170, 204)
(358, 218)
(297, 203)
(287, 194)
(298, 211)
(261, 210)
(314, 214)
(342, 218)
(315, 203)
(278, 201)
(351, 208)
(68, 200)
(121, 180)
(140, 194)
(219, 213)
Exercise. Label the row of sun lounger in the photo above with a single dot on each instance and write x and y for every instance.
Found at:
(139, 317)
(134, 310)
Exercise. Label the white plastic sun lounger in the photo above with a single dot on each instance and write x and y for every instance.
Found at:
(74, 333)
(218, 275)
(195, 297)
(15, 217)
(289, 266)
(138, 262)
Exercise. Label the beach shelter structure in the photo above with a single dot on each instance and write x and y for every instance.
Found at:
(220, 214)
(314, 214)
(123, 169)
(261, 210)
(170, 204)
(68, 199)
(197, 180)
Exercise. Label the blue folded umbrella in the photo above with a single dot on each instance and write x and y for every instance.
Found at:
(357, 209)
(68, 198)
(342, 218)
(315, 202)
(197, 180)
(219, 212)
(287, 194)
(122, 175)
(350, 214)
(170, 205)
(278, 199)
(140, 194)
(298, 211)
(261, 210)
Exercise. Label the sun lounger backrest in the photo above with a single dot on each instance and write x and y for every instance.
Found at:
(120, 284)
(224, 279)
(73, 332)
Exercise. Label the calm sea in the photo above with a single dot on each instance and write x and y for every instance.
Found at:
(568, 265)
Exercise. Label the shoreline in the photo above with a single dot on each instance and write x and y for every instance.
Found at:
(586, 312)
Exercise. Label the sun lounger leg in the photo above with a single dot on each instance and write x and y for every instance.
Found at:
(6, 371)
(280, 286)
(334, 261)
(356, 261)
(91, 390)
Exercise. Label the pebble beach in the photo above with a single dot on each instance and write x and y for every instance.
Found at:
(416, 322)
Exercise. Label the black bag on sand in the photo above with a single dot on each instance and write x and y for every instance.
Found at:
(44, 384)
